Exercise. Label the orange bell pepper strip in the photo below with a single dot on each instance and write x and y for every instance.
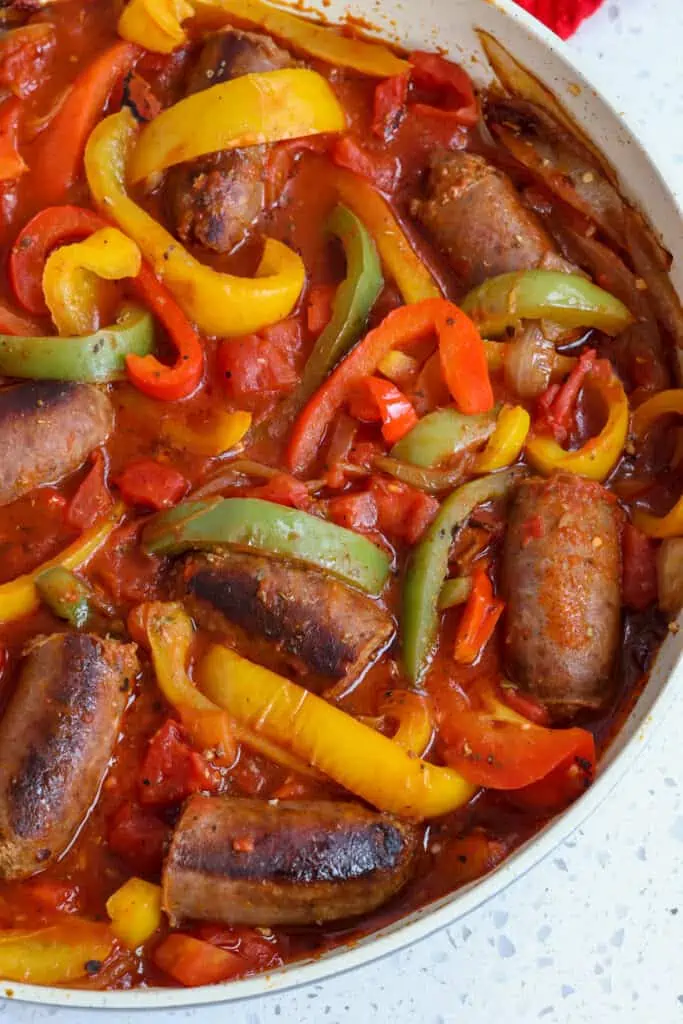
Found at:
(374, 398)
(194, 962)
(58, 154)
(402, 327)
(362, 760)
(479, 619)
(12, 165)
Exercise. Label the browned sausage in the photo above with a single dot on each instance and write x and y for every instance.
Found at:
(56, 738)
(333, 630)
(47, 429)
(250, 862)
(214, 200)
(562, 582)
(474, 214)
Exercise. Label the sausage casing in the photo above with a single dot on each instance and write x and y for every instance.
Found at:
(332, 629)
(47, 429)
(56, 738)
(562, 585)
(243, 861)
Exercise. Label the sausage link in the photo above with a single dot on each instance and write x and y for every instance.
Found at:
(47, 429)
(474, 214)
(335, 631)
(243, 861)
(214, 200)
(56, 738)
(562, 584)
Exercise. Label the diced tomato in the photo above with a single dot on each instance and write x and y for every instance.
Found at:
(524, 705)
(12, 165)
(24, 55)
(193, 962)
(380, 168)
(139, 837)
(172, 770)
(283, 489)
(92, 500)
(125, 570)
(150, 483)
(374, 398)
(389, 105)
(403, 512)
(354, 511)
(137, 94)
(254, 367)
(282, 159)
(319, 309)
(258, 951)
(639, 553)
(52, 895)
(556, 407)
(451, 87)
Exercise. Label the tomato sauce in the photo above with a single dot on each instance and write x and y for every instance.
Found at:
(123, 833)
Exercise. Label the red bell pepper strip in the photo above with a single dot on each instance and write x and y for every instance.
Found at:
(463, 362)
(24, 53)
(402, 327)
(12, 165)
(389, 105)
(381, 169)
(167, 383)
(377, 399)
(58, 224)
(319, 308)
(451, 85)
(556, 407)
(51, 227)
(92, 500)
(58, 153)
(149, 483)
(479, 619)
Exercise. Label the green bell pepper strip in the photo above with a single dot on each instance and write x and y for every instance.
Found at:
(442, 434)
(566, 299)
(94, 358)
(454, 592)
(65, 594)
(252, 524)
(353, 301)
(428, 566)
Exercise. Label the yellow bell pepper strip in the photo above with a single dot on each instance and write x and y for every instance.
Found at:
(507, 441)
(271, 529)
(327, 44)
(74, 274)
(155, 25)
(250, 110)
(365, 762)
(567, 299)
(428, 566)
(54, 955)
(95, 358)
(397, 366)
(596, 459)
(20, 597)
(443, 434)
(169, 632)
(411, 711)
(412, 277)
(663, 404)
(220, 304)
(135, 911)
(218, 435)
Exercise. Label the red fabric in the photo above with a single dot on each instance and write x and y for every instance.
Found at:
(562, 16)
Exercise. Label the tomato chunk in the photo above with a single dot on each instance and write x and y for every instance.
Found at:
(149, 483)
(172, 770)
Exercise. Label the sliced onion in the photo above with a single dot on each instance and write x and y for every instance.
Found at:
(670, 575)
(529, 362)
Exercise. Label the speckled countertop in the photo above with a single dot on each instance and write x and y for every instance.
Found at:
(593, 934)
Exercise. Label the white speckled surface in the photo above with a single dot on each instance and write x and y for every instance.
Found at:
(594, 933)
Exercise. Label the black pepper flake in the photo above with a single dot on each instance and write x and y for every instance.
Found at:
(93, 966)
